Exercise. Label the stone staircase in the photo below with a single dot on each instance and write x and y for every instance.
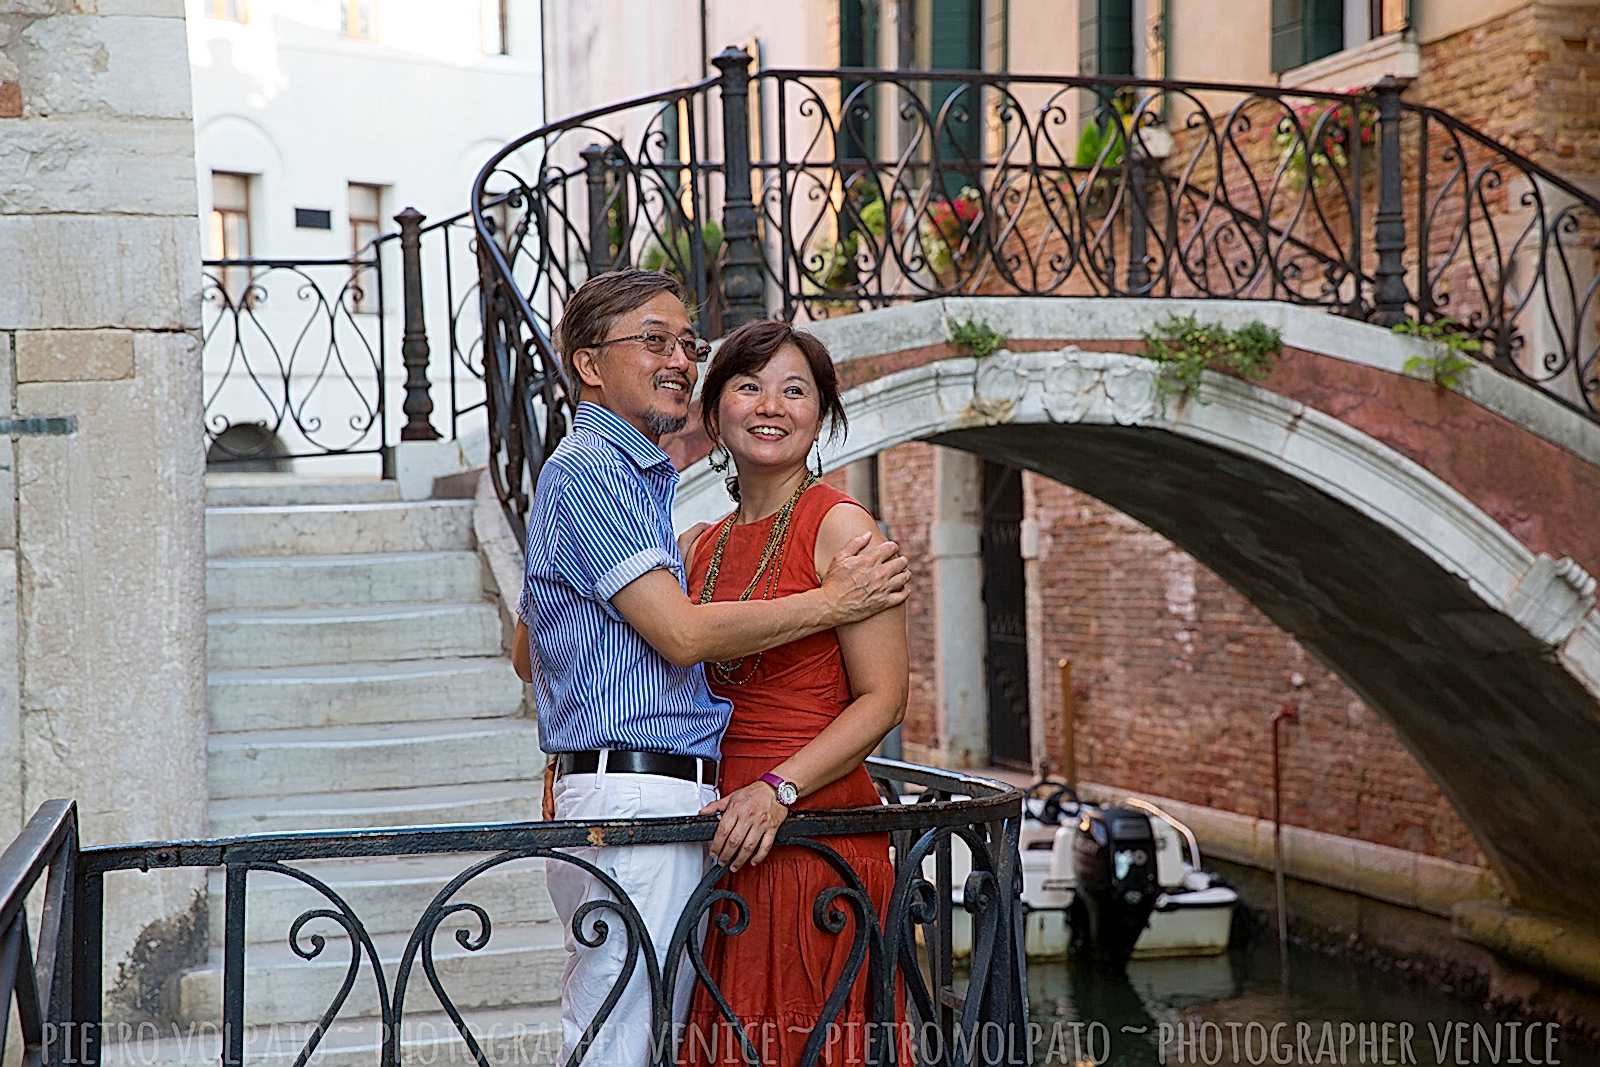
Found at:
(357, 679)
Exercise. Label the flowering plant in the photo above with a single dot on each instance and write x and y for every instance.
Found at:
(1325, 128)
(947, 226)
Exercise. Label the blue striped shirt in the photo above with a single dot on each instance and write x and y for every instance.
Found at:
(602, 517)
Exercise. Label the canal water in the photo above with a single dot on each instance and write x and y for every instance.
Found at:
(1237, 1009)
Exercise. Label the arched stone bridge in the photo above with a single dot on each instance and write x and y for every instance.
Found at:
(1435, 547)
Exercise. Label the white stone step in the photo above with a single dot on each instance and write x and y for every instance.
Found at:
(329, 581)
(329, 694)
(287, 637)
(525, 1035)
(270, 763)
(389, 893)
(277, 490)
(474, 802)
(328, 529)
(519, 964)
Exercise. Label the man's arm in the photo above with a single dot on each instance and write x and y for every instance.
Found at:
(864, 580)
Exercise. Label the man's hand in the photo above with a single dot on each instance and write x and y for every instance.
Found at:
(864, 579)
(750, 818)
(547, 808)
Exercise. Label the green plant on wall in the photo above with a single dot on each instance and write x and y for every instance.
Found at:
(978, 338)
(1446, 367)
(1186, 348)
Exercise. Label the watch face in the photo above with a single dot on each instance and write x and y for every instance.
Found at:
(788, 794)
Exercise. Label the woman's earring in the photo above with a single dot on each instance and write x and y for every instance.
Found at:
(719, 463)
(819, 459)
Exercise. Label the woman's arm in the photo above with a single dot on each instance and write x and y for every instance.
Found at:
(877, 664)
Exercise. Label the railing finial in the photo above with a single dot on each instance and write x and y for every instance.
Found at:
(414, 350)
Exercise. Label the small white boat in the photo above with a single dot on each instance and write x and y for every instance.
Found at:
(1194, 910)
(1181, 910)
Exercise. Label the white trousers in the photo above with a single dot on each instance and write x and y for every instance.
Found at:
(657, 878)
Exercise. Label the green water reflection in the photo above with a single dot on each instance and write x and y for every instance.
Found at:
(1237, 1009)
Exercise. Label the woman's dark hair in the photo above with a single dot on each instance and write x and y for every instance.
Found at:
(749, 348)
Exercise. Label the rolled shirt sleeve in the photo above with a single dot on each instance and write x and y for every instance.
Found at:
(607, 534)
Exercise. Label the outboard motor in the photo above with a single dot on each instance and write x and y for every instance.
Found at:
(1114, 858)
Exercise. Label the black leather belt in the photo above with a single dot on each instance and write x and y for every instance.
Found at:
(626, 761)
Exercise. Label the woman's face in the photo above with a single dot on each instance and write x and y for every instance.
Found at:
(771, 418)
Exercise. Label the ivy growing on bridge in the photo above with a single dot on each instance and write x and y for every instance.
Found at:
(1186, 348)
(978, 338)
(1446, 368)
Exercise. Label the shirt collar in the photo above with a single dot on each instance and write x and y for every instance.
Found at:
(644, 452)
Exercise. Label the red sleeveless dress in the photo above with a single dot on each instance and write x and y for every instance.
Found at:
(778, 973)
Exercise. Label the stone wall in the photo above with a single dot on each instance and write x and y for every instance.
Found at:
(102, 543)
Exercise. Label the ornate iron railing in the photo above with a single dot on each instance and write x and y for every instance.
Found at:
(1003, 184)
(294, 358)
(904, 953)
(297, 351)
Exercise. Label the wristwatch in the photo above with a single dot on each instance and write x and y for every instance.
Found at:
(787, 792)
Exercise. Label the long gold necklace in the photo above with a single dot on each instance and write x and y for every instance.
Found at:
(767, 571)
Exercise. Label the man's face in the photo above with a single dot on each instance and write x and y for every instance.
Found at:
(651, 391)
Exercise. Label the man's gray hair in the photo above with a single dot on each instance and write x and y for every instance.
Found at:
(590, 313)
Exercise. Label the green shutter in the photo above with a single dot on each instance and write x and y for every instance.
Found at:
(1287, 19)
(956, 37)
(1305, 30)
(671, 150)
(1324, 28)
(1105, 37)
(857, 136)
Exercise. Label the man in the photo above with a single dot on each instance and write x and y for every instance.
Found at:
(622, 699)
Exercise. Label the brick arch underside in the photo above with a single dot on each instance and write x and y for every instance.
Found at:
(1508, 735)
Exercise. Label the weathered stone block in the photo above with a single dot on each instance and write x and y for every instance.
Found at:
(112, 597)
(74, 355)
(78, 63)
(98, 166)
(64, 271)
(10, 100)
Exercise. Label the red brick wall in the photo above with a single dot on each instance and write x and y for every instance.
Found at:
(1530, 79)
(1175, 677)
(905, 480)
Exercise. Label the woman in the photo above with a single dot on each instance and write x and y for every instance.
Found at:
(805, 714)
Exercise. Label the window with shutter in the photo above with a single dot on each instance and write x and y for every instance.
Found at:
(858, 47)
(956, 43)
(1105, 37)
(1305, 30)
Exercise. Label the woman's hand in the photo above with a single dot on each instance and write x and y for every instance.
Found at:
(750, 818)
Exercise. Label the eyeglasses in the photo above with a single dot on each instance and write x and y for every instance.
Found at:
(659, 343)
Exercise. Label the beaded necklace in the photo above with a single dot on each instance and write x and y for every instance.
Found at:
(767, 570)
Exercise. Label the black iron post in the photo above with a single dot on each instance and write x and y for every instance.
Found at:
(1389, 230)
(742, 287)
(82, 1043)
(418, 405)
(1138, 276)
(595, 161)
(621, 254)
